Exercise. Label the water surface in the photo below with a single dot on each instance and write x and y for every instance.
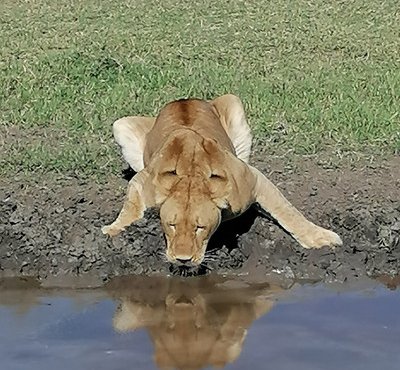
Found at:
(150, 323)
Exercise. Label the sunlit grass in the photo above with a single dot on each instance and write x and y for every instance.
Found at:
(312, 74)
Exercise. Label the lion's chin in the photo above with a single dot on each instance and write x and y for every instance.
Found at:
(188, 270)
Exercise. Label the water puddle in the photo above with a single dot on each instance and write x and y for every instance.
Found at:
(194, 323)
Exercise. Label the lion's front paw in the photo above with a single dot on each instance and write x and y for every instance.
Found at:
(321, 238)
(111, 230)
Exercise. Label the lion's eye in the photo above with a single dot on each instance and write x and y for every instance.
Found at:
(171, 173)
(172, 226)
(200, 228)
(215, 176)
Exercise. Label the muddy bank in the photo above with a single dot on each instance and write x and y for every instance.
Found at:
(50, 229)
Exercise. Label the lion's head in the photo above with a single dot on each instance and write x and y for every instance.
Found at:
(193, 323)
(192, 183)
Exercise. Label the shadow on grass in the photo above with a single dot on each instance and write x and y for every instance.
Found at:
(128, 173)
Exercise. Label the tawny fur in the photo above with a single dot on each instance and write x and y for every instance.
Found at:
(192, 163)
(191, 326)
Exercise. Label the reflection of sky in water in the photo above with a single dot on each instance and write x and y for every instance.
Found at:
(58, 337)
(324, 331)
(346, 331)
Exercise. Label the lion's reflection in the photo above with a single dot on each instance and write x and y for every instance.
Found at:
(193, 322)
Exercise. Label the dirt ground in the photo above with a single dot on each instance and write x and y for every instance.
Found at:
(50, 228)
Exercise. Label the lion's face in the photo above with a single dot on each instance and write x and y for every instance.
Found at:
(188, 221)
(192, 182)
(193, 323)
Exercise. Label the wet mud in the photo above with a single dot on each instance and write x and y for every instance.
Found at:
(50, 228)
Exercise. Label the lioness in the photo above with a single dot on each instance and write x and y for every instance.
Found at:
(192, 163)
(193, 323)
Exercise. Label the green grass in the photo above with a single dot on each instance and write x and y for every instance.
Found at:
(312, 74)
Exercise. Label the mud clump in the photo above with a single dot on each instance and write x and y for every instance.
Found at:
(52, 229)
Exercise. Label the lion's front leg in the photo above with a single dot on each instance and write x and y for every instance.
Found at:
(133, 207)
(304, 231)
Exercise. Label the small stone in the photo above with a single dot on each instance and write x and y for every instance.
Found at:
(396, 226)
(314, 191)
(59, 209)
